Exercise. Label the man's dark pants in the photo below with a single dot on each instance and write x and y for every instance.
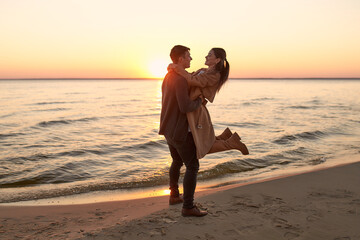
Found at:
(184, 152)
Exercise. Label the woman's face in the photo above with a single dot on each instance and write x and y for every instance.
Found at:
(211, 59)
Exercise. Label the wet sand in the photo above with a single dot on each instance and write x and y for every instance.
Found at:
(322, 204)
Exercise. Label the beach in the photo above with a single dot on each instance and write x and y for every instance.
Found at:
(321, 204)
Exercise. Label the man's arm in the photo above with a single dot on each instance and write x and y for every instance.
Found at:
(183, 99)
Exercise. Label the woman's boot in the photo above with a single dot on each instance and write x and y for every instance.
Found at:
(235, 143)
(232, 143)
(225, 135)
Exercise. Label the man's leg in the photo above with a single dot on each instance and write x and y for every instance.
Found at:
(190, 177)
(187, 151)
(174, 172)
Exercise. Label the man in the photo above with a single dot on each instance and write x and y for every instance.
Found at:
(174, 126)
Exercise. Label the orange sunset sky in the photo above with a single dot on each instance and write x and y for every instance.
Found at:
(119, 39)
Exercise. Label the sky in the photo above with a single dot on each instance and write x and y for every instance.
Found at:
(132, 39)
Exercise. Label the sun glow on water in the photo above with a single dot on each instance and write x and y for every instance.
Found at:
(166, 191)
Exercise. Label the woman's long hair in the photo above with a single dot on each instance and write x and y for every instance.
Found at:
(222, 67)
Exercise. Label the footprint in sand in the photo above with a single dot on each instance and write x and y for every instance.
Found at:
(282, 223)
(101, 213)
(168, 220)
(157, 232)
(218, 213)
(337, 194)
(355, 202)
(248, 206)
(285, 209)
(291, 235)
(210, 204)
(269, 200)
(232, 232)
(209, 237)
(249, 228)
(313, 218)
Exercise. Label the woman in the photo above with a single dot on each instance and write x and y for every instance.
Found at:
(206, 82)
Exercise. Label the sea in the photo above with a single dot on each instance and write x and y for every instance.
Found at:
(97, 140)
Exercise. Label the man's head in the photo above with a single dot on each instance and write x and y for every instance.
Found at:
(181, 56)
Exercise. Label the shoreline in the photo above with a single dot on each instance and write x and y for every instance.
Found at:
(100, 219)
(202, 186)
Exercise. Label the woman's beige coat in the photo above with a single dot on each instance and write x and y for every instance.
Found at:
(202, 83)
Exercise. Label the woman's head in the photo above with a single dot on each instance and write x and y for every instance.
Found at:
(217, 59)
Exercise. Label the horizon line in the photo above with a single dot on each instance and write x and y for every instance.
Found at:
(133, 78)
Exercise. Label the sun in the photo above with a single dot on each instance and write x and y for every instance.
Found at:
(158, 68)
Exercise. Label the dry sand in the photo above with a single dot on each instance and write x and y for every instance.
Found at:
(322, 204)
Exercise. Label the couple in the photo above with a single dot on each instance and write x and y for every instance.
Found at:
(185, 121)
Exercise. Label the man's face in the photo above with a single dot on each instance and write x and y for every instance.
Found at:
(185, 60)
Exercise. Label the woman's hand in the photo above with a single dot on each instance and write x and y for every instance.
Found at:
(203, 100)
(171, 66)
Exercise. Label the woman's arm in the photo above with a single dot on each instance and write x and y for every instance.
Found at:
(202, 80)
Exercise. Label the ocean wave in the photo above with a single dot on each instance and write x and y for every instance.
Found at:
(39, 146)
(54, 122)
(278, 159)
(143, 115)
(250, 103)
(316, 160)
(302, 107)
(355, 121)
(8, 115)
(297, 151)
(315, 101)
(67, 172)
(74, 174)
(80, 152)
(42, 156)
(258, 101)
(161, 143)
(75, 93)
(49, 103)
(299, 136)
(81, 188)
(226, 168)
(53, 176)
(51, 109)
(7, 135)
(241, 124)
(23, 159)
(61, 122)
(264, 99)
(157, 179)
(300, 154)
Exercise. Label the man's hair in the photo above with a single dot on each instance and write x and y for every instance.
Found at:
(178, 51)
